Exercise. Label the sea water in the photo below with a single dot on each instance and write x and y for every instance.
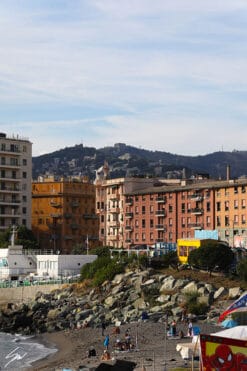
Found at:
(18, 352)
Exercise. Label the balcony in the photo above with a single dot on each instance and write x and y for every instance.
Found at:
(128, 228)
(160, 213)
(90, 216)
(114, 210)
(196, 225)
(129, 201)
(161, 200)
(129, 215)
(74, 226)
(160, 227)
(114, 196)
(114, 224)
(74, 204)
(55, 204)
(10, 178)
(10, 189)
(9, 202)
(56, 215)
(196, 197)
(7, 214)
(128, 240)
(8, 165)
(197, 211)
(11, 151)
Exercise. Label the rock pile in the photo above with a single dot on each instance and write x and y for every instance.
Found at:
(122, 300)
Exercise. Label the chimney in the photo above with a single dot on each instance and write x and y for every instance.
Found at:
(228, 169)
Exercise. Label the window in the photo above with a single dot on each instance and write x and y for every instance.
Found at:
(136, 223)
(143, 236)
(24, 210)
(102, 231)
(243, 189)
(235, 204)
(102, 218)
(183, 222)
(208, 206)
(217, 206)
(136, 198)
(235, 190)
(183, 208)
(243, 219)
(136, 236)
(24, 162)
(170, 208)
(151, 223)
(208, 221)
(143, 209)
(226, 205)
(243, 204)
(143, 198)
(170, 222)
(151, 236)
(151, 209)
(235, 220)
(218, 221)
(137, 210)
(143, 223)
(24, 198)
(227, 222)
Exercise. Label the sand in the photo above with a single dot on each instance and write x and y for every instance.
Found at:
(152, 350)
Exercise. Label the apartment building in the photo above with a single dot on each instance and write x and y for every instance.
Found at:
(167, 213)
(110, 205)
(15, 181)
(63, 214)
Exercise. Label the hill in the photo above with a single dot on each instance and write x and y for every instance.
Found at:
(127, 160)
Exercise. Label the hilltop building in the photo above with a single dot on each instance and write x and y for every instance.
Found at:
(63, 213)
(15, 181)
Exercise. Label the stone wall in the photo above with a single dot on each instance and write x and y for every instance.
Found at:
(25, 294)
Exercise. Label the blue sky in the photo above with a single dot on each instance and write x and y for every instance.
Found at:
(165, 75)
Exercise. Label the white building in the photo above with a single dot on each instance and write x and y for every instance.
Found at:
(15, 265)
(56, 266)
(15, 181)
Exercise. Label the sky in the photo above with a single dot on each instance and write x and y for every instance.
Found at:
(167, 75)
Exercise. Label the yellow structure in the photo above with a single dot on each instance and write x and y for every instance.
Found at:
(185, 246)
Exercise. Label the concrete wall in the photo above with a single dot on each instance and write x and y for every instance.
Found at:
(25, 294)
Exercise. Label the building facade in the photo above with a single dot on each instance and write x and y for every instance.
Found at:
(110, 205)
(63, 214)
(15, 181)
(167, 213)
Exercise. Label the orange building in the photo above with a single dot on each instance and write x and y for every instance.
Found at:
(63, 214)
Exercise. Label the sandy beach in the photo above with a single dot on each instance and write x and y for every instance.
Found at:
(151, 348)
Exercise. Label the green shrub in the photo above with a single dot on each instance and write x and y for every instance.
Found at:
(108, 272)
(197, 308)
(242, 269)
(90, 269)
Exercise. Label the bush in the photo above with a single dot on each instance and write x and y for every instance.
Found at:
(242, 269)
(89, 270)
(197, 308)
(212, 255)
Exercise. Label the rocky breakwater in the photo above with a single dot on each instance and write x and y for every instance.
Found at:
(123, 299)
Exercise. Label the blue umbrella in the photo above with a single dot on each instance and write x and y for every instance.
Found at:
(229, 323)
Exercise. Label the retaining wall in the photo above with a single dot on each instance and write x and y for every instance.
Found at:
(25, 294)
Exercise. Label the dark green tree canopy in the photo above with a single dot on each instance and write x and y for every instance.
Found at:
(214, 254)
(25, 237)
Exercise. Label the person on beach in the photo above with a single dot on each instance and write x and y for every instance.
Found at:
(106, 341)
(103, 327)
(190, 328)
(105, 356)
(173, 328)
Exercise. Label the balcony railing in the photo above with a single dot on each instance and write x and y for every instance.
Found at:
(129, 215)
(160, 199)
(195, 225)
(129, 201)
(160, 227)
(197, 211)
(196, 197)
(160, 213)
(128, 228)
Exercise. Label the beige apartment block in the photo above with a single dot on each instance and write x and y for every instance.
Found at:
(110, 205)
(15, 181)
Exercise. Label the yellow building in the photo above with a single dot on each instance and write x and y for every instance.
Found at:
(63, 214)
(185, 246)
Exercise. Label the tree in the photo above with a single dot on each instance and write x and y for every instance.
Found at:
(242, 269)
(214, 254)
(25, 237)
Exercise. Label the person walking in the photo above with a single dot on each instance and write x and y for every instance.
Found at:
(190, 328)
(103, 327)
(106, 342)
(174, 328)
